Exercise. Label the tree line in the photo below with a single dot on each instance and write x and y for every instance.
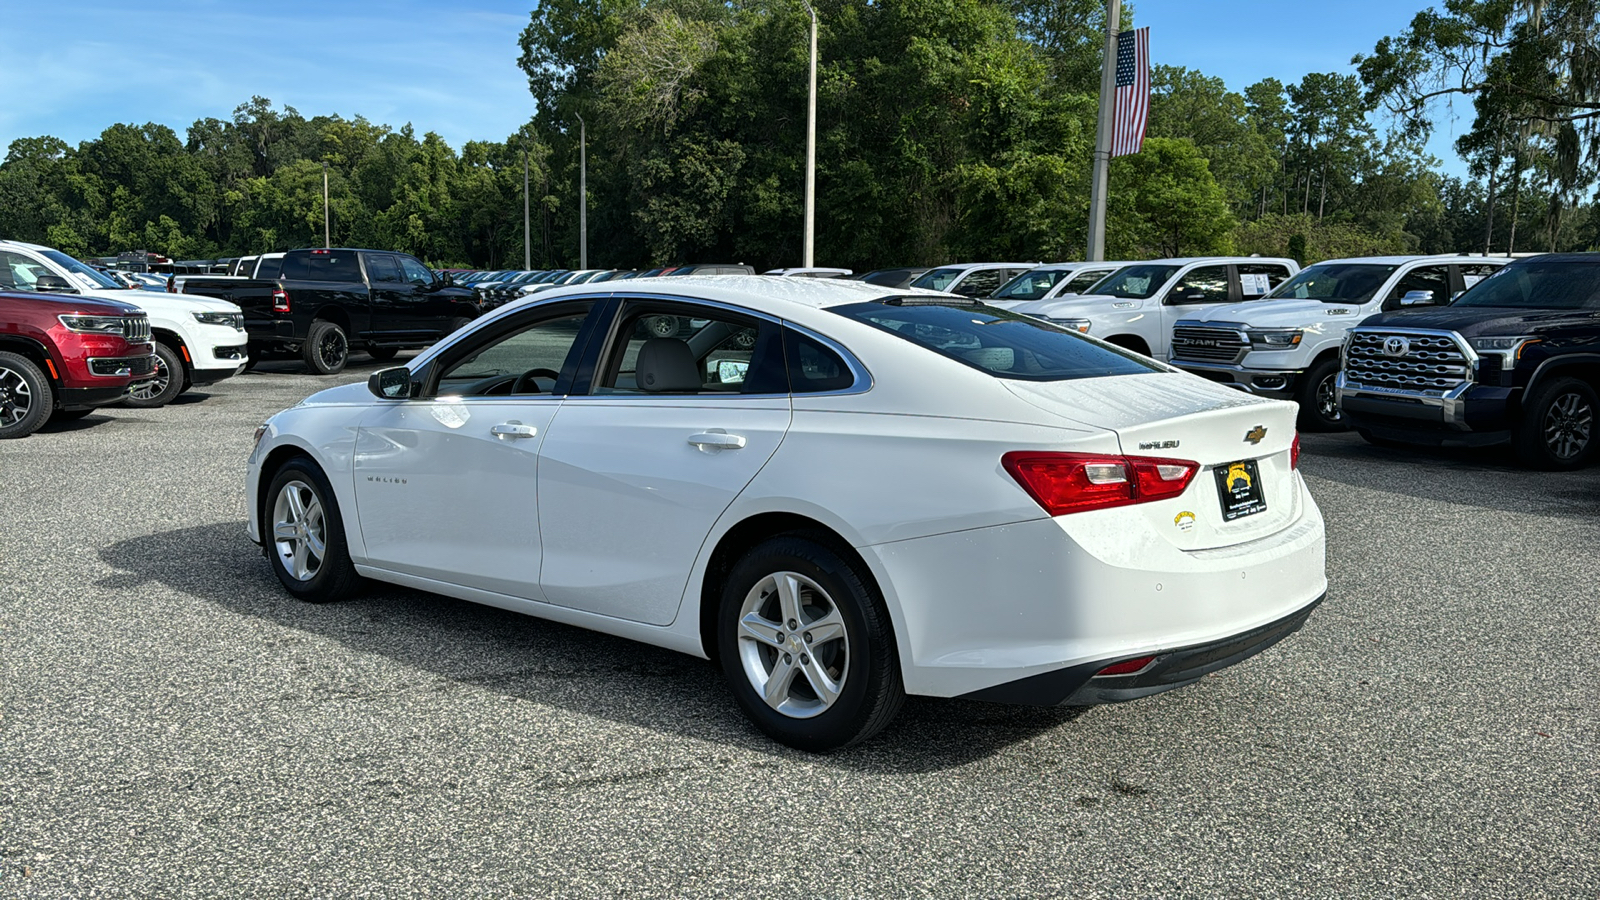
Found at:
(947, 129)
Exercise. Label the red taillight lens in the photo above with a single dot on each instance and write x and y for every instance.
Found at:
(1076, 482)
(1294, 452)
(280, 300)
(1126, 667)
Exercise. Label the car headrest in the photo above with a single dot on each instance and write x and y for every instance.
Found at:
(667, 364)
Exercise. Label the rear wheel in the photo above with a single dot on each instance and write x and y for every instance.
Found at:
(807, 647)
(327, 348)
(162, 389)
(458, 323)
(1318, 399)
(304, 535)
(1557, 430)
(25, 397)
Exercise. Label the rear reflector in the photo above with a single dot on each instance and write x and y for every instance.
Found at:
(1126, 667)
(1076, 482)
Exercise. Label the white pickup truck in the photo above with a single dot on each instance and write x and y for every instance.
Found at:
(198, 340)
(1288, 346)
(1136, 306)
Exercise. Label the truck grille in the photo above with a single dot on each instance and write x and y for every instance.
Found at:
(1424, 363)
(1204, 344)
(136, 329)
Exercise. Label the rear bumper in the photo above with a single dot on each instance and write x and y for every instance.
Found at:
(1176, 668)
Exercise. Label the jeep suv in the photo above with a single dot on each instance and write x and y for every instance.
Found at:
(61, 357)
(1515, 359)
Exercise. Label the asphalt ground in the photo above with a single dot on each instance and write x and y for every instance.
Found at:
(172, 724)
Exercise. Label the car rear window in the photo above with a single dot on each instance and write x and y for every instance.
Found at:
(1001, 343)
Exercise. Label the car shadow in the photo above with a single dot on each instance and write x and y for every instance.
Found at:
(95, 419)
(1484, 477)
(464, 644)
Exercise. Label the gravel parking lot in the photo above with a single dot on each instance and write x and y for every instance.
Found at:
(172, 724)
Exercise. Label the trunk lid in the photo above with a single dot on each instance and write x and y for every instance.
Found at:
(1175, 415)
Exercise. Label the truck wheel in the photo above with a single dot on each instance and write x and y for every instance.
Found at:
(162, 389)
(1319, 402)
(304, 534)
(327, 349)
(382, 354)
(662, 326)
(806, 646)
(25, 398)
(1557, 429)
(458, 323)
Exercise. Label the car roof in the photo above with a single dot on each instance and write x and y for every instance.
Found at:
(1401, 260)
(985, 265)
(756, 292)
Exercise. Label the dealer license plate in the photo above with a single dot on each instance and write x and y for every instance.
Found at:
(1239, 485)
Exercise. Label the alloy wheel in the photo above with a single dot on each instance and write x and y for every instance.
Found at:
(333, 348)
(155, 387)
(1328, 398)
(299, 530)
(15, 397)
(1567, 425)
(793, 644)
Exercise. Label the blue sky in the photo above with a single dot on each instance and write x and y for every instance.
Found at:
(451, 67)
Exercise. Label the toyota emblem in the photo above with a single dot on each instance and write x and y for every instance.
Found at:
(1396, 346)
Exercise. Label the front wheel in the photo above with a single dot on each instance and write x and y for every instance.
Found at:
(163, 388)
(1557, 429)
(807, 647)
(25, 398)
(1319, 398)
(327, 348)
(305, 535)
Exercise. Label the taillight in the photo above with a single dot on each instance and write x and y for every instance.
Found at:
(1294, 452)
(280, 300)
(1076, 482)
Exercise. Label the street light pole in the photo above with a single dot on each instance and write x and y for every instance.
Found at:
(326, 241)
(1102, 144)
(527, 231)
(583, 194)
(811, 150)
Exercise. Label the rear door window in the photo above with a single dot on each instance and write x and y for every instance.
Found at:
(381, 267)
(998, 342)
(674, 348)
(982, 283)
(1259, 279)
(322, 265)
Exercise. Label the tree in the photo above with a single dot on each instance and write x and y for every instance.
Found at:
(1174, 206)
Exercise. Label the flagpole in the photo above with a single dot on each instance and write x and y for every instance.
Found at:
(1102, 136)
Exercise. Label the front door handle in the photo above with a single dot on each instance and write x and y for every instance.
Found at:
(717, 440)
(511, 431)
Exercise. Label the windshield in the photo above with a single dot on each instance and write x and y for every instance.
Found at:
(1030, 285)
(1136, 282)
(938, 279)
(1001, 343)
(1538, 284)
(77, 268)
(1335, 283)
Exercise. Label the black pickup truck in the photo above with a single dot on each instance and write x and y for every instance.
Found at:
(1514, 359)
(326, 302)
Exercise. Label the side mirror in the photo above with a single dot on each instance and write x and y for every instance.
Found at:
(1417, 298)
(393, 383)
(447, 279)
(53, 284)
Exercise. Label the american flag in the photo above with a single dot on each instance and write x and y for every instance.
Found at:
(1132, 106)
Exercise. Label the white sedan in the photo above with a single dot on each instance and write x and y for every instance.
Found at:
(841, 492)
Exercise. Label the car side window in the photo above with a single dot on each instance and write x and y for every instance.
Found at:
(1083, 280)
(1433, 279)
(1206, 284)
(1472, 273)
(525, 360)
(17, 272)
(416, 272)
(813, 367)
(381, 267)
(981, 283)
(679, 349)
(1259, 279)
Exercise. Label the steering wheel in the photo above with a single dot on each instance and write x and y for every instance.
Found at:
(526, 385)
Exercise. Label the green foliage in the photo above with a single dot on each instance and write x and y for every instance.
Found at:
(1176, 207)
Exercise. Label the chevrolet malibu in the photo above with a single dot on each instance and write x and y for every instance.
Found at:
(841, 493)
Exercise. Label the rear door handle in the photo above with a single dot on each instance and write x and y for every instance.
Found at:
(717, 440)
(511, 431)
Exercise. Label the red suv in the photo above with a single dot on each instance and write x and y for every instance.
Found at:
(62, 356)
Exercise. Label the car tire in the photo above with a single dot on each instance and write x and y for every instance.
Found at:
(304, 534)
(327, 348)
(662, 326)
(1319, 402)
(458, 323)
(383, 354)
(1557, 428)
(26, 399)
(162, 389)
(807, 647)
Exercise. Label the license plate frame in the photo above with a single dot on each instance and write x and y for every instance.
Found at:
(1240, 490)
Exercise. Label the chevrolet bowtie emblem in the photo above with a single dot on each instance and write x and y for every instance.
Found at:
(1255, 434)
